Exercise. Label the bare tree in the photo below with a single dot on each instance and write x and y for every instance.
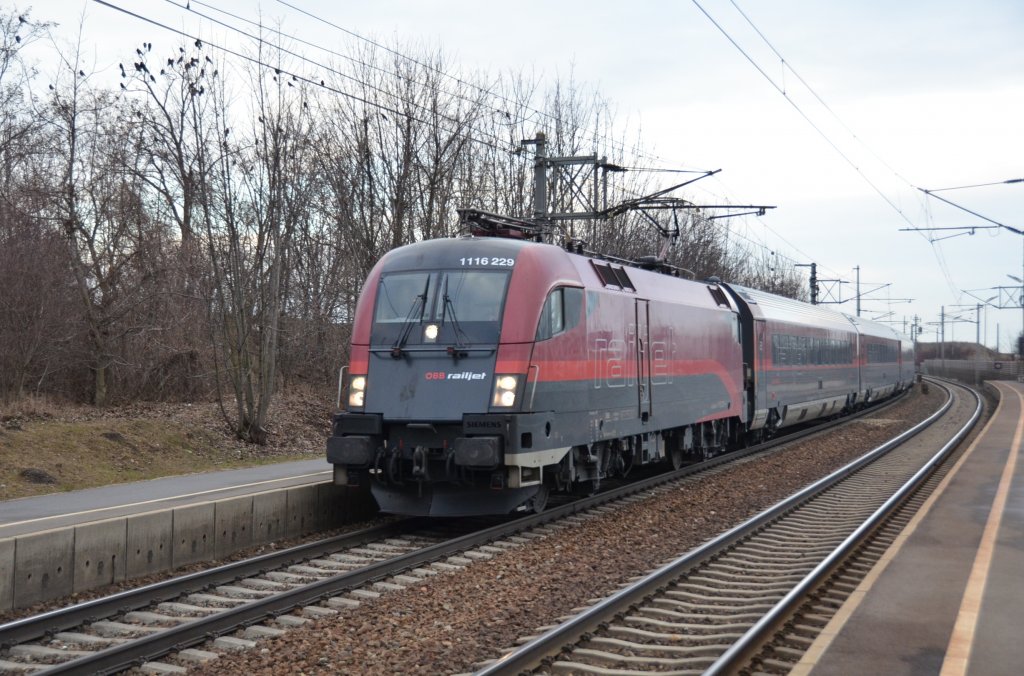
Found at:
(100, 208)
(179, 138)
(17, 124)
(33, 319)
(261, 190)
(208, 235)
(37, 328)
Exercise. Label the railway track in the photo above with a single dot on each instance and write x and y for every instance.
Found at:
(751, 599)
(236, 604)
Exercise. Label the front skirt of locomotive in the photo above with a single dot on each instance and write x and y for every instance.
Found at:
(441, 499)
(469, 479)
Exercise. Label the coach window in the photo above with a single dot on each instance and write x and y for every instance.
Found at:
(561, 312)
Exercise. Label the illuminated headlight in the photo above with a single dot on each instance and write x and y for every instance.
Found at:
(430, 333)
(505, 391)
(356, 391)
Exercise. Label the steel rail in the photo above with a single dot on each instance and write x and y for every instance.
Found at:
(750, 643)
(147, 648)
(530, 654)
(38, 626)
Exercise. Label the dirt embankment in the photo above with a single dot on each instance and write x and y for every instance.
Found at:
(47, 447)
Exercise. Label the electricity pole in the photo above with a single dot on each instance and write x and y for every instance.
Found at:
(540, 176)
(858, 289)
(814, 279)
(942, 334)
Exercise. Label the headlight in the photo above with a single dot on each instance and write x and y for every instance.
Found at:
(505, 391)
(430, 333)
(356, 391)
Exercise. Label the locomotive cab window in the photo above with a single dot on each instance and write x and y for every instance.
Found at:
(402, 296)
(561, 312)
(466, 305)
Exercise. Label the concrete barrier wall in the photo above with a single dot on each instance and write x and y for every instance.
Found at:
(6, 574)
(53, 564)
(974, 372)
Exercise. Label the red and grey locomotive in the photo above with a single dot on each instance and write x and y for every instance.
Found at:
(486, 372)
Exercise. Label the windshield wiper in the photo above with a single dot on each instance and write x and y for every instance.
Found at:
(419, 304)
(456, 350)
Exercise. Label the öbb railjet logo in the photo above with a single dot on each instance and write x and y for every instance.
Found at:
(461, 375)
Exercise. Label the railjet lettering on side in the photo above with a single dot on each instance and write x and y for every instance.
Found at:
(467, 375)
(462, 375)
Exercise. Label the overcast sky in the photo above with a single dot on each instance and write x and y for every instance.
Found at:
(919, 95)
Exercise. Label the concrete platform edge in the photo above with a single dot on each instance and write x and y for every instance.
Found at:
(56, 562)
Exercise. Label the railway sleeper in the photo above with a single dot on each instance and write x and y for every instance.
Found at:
(615, 643)
(718, 615)
(741, 604)
(617, 659)
(697, 629)
(709, 594)
(678, 639)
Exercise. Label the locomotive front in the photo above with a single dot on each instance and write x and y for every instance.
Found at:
(431, 383)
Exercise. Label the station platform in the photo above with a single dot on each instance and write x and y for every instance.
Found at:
(59, 544)
(948, 597)
(74, 508)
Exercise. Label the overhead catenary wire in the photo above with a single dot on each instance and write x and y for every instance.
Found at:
(803, 114)
(593, 136)
(282, 35)
(496, 143)
(325, 67)
(621, 147)
(500, 144)
(978, 185)
(940, 257)
(825, 105)
(789, 66)
(936, 247)
(285, 72)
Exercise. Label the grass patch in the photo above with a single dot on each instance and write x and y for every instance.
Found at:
(98, 453)
(47, 450)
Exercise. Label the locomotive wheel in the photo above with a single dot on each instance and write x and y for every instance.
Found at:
(676, 455)
(539, 501)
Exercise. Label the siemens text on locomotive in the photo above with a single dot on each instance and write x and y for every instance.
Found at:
(486, 372)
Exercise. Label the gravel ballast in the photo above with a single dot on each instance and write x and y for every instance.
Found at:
(450, 622)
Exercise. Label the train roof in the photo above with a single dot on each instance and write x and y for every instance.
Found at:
(868, 327)
(552, 265)
(772, 307)
(446, 251)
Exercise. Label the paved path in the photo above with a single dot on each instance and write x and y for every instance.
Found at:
(43, 512)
